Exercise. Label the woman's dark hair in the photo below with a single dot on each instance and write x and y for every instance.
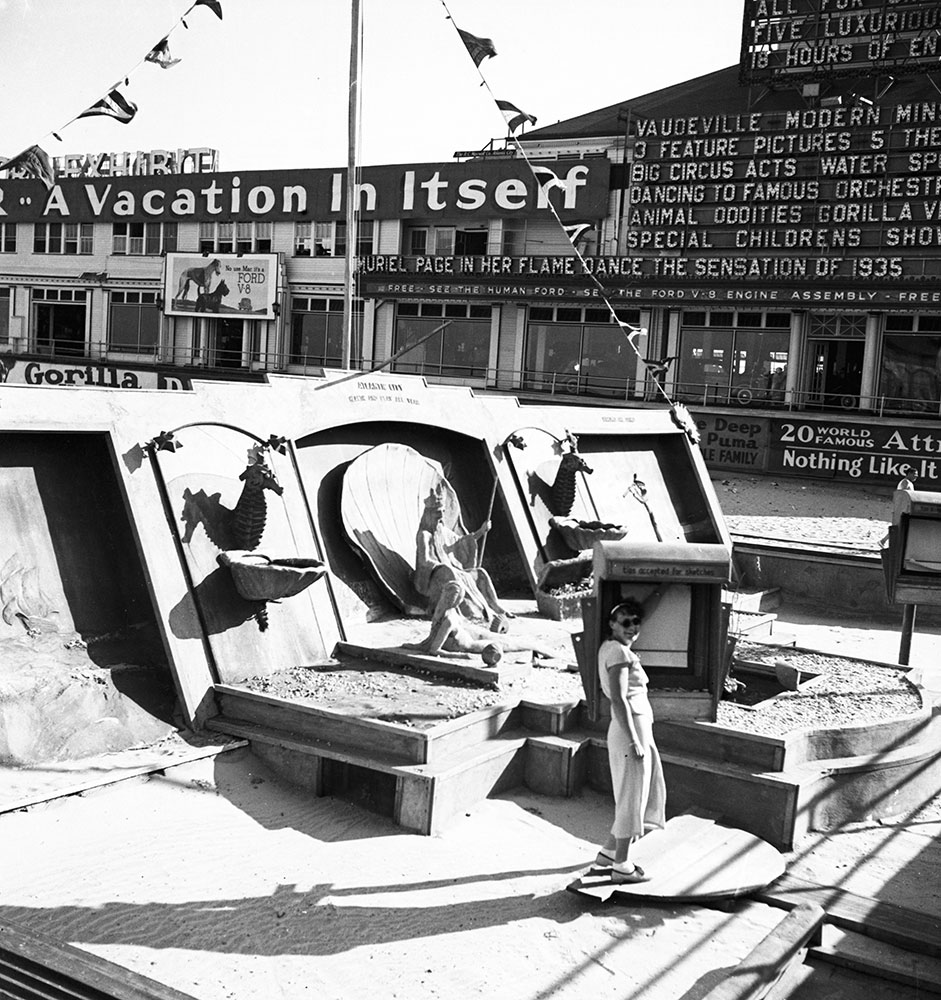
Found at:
(630, 606)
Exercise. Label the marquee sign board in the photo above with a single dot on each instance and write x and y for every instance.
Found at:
(227, 285)
(792, 40)
(474, 191)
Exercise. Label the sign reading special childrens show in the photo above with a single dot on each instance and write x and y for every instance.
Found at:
(221, 285)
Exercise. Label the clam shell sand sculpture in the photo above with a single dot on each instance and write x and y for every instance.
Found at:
(382, 502)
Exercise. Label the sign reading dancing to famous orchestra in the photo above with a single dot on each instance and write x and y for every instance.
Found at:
(228, 285)
(813, 39)
(830, 193)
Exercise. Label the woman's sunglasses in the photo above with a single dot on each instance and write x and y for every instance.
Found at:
(629, 620)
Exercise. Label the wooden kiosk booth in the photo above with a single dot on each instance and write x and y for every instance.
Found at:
(683, 643)
(911, 559)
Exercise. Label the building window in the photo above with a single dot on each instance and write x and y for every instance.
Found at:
(63, 237)
(317, 331)
(733, 356)
(328, 239)
(134, 322)
(143, 238)
(579, 350)
(59, 320)
(445, 241)
(5, 297)
(460, 350)
(910, 374)
(514, 237)
(235, 237)
(7, 237)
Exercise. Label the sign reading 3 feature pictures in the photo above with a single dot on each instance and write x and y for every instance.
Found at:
(221, 285)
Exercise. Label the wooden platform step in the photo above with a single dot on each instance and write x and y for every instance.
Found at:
(692, 858)
(775, 965)
(34, 965)
(860, 953)
(889, 922)
(419, 797)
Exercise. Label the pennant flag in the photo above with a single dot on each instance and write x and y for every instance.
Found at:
(160, 54)
(514, 117)
(115, 105)
(547, 178)
(577, 231)
(479, 48)
(632, 332)
(34, 163)
(214, 5)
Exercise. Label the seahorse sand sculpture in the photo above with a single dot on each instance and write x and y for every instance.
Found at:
(562, 490)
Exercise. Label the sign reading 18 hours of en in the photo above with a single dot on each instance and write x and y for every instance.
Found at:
(221, 284)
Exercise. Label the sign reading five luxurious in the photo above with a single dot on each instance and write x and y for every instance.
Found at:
(452, 190)
(804, 39)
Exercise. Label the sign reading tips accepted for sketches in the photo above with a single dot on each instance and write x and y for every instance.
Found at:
(221, 285)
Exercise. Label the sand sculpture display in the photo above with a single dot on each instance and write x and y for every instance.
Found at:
(259, 577)
(404, 518)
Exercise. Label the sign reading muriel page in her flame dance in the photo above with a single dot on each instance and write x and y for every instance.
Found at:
(221, 285)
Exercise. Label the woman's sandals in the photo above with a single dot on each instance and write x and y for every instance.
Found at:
(618, 873)
(635, 874)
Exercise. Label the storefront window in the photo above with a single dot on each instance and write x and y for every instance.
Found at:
(733, 357)
(460, 350)
(134, 322)
(910, 378)
(59, 320)
(317, 332)
(579, 351)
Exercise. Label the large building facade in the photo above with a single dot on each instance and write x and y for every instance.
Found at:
(774, 227)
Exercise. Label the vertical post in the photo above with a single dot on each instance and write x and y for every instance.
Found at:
(356, 30)
(908, 627)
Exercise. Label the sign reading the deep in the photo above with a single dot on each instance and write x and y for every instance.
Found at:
(479, 190)
(814, 39)
(817, 194)
(230, 285)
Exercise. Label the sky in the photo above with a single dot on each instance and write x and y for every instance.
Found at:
(268, 84)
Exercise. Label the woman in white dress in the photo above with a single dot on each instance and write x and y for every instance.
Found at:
(636, 771)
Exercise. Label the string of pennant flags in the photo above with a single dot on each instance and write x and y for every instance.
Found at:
(479, 49)
(34, 161)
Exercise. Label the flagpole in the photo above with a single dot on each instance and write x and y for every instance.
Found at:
(356, 25)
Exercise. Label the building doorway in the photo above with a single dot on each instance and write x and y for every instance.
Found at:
(835, 373)
(230, 350)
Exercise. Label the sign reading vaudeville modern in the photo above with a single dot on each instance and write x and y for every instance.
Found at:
(812, 39)
(229, 285)
(842, 194)
(474, 190)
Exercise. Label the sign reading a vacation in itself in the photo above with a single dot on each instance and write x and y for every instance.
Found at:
(221, 285)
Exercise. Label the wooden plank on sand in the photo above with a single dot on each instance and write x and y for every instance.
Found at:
(692, 858)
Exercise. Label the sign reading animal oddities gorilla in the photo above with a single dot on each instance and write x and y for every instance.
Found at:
(221, 285)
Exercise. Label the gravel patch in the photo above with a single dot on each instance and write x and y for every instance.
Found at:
(847, 692)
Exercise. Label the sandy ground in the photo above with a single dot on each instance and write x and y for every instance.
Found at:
(215, 877)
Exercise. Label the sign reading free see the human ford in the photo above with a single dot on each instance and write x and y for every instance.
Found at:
(221, 285)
